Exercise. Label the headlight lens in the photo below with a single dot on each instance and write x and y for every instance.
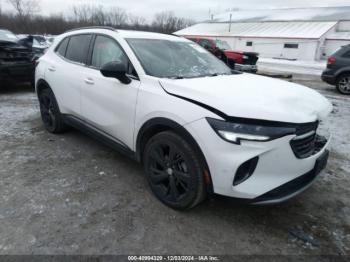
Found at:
(235, 132)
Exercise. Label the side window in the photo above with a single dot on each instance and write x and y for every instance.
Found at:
(346, 54)
(61, 49)
(78, 48)
(249, 43)
(205, 43)
(107, 50)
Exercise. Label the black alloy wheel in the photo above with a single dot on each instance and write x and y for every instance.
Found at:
(173, 170)
(50, 112)
(343, 84)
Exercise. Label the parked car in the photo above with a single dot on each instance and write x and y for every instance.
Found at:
(338, 70)
(39, 43)
(242, 61)
(197, 126)
(17, 59)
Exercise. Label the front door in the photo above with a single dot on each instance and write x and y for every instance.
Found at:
(106, 103)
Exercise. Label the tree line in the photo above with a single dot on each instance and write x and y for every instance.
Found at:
(25, 18)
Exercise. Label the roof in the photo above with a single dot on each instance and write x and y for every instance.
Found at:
(147, 35)
(287, 14)
(299, 30)
(339, 36)
(124, 33)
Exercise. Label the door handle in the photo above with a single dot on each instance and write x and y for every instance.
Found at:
(52, 69)
(89, 81)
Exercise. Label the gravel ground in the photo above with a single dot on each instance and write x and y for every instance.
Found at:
(68, 194)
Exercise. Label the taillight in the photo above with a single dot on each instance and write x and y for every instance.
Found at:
(331, 61)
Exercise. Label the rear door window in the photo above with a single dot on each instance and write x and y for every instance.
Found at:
(78, 48)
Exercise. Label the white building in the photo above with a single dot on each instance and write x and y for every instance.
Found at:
(307, 34)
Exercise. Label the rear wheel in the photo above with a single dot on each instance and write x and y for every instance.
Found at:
(174, 171)
(343, 84)
(50, 113)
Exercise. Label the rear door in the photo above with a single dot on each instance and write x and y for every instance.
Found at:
(63, 72)
(108, 104)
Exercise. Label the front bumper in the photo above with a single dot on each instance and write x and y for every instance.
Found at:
(246, 68)
(278, 176)
(17, 72)
(294, 187)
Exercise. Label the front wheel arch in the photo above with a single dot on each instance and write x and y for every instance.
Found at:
(157, 125)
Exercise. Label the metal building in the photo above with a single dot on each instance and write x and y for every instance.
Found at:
(306, 34)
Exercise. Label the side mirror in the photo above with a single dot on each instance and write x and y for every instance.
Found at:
(116, 70)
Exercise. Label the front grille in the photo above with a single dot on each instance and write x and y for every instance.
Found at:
(304, 145)
(15, 56)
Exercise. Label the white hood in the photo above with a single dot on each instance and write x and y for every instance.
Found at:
(255, 97)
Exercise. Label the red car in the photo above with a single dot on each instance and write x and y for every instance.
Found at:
(242, 61)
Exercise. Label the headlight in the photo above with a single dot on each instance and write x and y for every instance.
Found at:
(235, 132)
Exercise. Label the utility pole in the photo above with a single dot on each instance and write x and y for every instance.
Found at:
(229, 29)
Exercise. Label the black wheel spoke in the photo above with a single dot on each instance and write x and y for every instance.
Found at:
(176, 160)
(183, 185)
(174, 193)
(158, 158)
(168, 172)
(182, 176)
(158, 176)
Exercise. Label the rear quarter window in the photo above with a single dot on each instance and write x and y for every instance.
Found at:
(346, 54)
(78, 48)
(62, 47)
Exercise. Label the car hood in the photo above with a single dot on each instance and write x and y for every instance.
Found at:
(254, 97)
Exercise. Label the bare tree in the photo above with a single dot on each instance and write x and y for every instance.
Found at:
(117, 16)
(25, 8)
(167, 22)
(137, 21)
(26, 21)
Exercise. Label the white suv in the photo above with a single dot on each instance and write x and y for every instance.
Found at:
(195, 125)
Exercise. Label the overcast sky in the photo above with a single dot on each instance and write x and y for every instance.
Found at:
(194, 9)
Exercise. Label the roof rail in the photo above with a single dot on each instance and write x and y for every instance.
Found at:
(92, 27)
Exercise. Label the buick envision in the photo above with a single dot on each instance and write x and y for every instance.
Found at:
(196, 126)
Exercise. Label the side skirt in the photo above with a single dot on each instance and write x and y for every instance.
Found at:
(99, 135)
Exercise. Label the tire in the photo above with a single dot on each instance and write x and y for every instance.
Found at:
(50, 112)
(343, 84)
(173, 171)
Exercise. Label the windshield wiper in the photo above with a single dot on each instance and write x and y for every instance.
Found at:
(176, 77)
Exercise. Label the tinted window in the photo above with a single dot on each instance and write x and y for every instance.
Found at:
(347, 54)
(249, 43)
(223, 45)
(78, 48)
(61, 50)
(205, 43)
(107, 50)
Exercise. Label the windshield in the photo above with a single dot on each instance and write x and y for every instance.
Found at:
(176, 59)
(223, 45)
(7, 36)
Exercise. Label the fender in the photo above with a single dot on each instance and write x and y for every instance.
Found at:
(159, 124)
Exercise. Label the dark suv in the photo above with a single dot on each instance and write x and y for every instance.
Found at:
(17, 59)
(338, 70)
